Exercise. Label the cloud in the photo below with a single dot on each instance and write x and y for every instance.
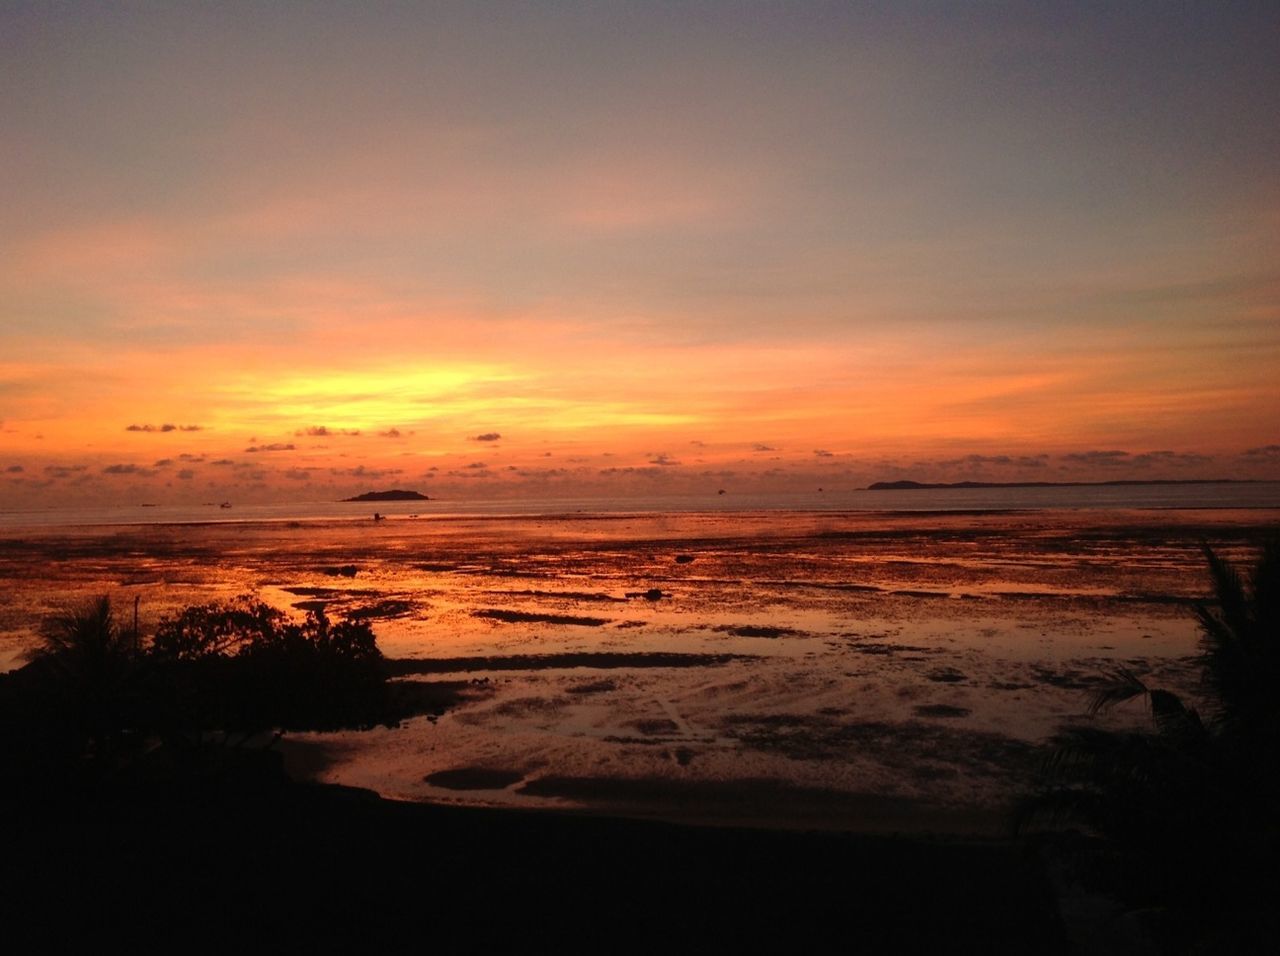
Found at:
(126, 470)
(1105, 458)
(163, 463)
(166, 427)
(487, 436)
(222, 461)
(823, 453)
(758, 446)
(360, 471)
(186, 474)
(390, 433)
(298, 474)
(698, 444)
(1112, 458)
(324, 431)
(663, 460)
(1264, 453)
(15, 469)
(1004, 461)
(277, 446)
(186, 457)
(477, 465)
(1179, 458)
(63, 471)
(645, 472)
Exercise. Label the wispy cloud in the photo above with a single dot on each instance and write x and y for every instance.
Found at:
(999, 461)
(1106, 459)
(64, 471)
(167, 427)
(487, 436)
(324, 431)
(363, 471)
(275, 446)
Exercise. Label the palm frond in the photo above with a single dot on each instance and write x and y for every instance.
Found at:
(1232, 600)
(1121, 684)
(1172, 716)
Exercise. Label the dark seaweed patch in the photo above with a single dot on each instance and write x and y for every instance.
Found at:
(521, 662)
(755, 630)
(532, 617)
(941, 710)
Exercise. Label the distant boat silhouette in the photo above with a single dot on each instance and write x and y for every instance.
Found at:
(225, 504)
(378, 517)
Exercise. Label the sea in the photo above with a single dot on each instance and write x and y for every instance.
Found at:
(1261, 494)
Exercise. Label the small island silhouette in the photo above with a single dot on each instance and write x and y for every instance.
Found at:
(393, 495)
(917, 485)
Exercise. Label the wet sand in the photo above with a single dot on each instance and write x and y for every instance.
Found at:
(865, 671)
(255, 868)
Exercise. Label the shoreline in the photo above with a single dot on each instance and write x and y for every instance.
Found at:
(257, 859)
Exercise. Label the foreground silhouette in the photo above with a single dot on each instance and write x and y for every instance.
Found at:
(137, 816)
(1184, 821)
(98, 703)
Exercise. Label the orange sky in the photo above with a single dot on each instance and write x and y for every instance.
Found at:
(650, 249)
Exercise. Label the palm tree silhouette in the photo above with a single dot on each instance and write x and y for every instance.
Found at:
(1198, 794)
(91, 663)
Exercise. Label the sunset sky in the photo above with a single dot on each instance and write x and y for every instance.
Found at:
(279, 251)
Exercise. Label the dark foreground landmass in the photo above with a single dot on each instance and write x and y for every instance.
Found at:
(228, 860)
(393, 495)
(1127, 483)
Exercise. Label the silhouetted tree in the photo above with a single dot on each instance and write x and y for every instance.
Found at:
(1189, 812)
(243, 666)
(92, 671)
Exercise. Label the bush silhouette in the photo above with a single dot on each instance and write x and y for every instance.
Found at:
(94, 700)
(244, 667)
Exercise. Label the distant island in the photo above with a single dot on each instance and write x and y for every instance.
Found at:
(920, 485)
(394, 495)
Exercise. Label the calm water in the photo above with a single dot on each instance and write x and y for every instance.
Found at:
(1216, 495)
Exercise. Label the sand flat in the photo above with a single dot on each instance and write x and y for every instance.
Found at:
(809, 662)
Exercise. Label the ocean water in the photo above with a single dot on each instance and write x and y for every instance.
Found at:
(1190, 496)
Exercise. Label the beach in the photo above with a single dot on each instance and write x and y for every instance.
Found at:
(874, 672)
